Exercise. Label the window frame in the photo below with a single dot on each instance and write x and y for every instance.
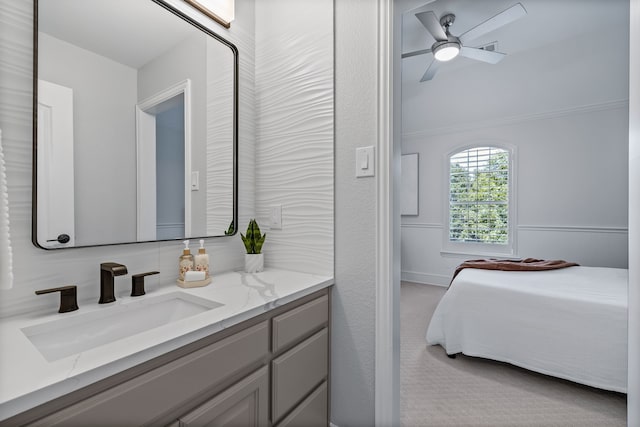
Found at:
(476, 248)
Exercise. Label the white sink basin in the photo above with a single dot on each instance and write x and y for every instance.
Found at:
(75, 334)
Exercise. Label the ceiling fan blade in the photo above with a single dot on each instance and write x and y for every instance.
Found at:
(416, 53)
(431, 71)
(432, 24)
(503, 18)
(482, 55)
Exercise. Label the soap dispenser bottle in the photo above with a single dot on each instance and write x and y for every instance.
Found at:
(185, 262)
(202, 260)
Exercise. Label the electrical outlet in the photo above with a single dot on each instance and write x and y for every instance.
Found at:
(275, 217)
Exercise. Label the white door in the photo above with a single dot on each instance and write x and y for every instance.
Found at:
(55, 195)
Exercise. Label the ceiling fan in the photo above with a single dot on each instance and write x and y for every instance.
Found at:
(448, 46)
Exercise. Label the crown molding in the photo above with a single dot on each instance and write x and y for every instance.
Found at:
(523, 118)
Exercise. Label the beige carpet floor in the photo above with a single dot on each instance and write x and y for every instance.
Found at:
(469, 391)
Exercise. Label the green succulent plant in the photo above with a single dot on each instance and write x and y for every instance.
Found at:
(253, 240)
(230, 230)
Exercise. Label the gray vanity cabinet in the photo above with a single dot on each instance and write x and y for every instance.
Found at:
(271, 370)
(146, 398)
(299, 372)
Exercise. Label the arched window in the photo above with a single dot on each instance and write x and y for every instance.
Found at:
(479, 199)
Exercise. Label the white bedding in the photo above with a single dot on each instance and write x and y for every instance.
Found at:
(570, 323)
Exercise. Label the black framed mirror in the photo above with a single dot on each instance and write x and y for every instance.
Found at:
(135, 125)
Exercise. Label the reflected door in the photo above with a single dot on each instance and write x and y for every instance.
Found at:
(55, 198)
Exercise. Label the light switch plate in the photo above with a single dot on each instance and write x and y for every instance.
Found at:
(365, 161)
(195, 181)
(275, 217)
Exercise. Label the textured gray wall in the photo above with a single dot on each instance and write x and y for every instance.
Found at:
(353, 336)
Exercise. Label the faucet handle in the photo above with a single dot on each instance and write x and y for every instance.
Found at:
(68, 297)
(137, 283)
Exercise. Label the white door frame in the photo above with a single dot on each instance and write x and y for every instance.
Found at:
(387, 327)
(146, 165)
(386, 388)
(633, 392)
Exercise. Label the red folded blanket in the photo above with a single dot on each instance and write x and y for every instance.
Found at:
(527, 264)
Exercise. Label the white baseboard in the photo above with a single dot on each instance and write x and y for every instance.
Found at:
(428, 279)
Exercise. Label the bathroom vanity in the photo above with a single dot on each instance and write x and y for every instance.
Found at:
(259, 358)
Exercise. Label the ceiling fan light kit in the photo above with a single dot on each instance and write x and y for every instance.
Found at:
(446, 51)
(448, 47)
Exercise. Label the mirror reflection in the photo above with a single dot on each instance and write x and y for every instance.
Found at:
(135, 116)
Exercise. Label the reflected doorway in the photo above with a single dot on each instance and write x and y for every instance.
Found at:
(163, 150)
(170, 185)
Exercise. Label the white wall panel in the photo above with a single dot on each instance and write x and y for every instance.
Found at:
(294, 153)
(423, 261)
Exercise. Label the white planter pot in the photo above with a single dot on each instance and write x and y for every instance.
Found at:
(253, 263)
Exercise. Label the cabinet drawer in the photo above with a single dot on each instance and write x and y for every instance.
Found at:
(148, 396)
(243, 404)
(312, 412)
(297, 372)
(299, 322)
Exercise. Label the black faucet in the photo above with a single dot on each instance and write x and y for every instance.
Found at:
(68, 297)
(108, 270)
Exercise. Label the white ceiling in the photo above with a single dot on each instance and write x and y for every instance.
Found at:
(563, 54)
(131, 32)
(546, 22)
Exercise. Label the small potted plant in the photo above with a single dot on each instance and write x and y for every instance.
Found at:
(253, 241)
(231, 230)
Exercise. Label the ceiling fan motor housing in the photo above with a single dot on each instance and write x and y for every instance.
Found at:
(452, 44)
(446, 20)
(452, 41)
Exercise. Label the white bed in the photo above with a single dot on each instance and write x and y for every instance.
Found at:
(570, 323)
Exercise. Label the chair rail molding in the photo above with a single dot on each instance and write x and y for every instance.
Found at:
(574, 228)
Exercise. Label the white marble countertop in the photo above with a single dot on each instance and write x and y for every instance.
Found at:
(27, 379)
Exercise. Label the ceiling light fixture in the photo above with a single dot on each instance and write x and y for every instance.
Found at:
(221, 11)
(446, 51)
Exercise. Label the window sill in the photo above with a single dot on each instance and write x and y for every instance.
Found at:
(477, 254)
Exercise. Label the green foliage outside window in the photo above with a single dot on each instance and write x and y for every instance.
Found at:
(479, 196)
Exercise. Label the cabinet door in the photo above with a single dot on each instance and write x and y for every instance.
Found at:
(242, 405)
(297, 372)
(312, 412)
